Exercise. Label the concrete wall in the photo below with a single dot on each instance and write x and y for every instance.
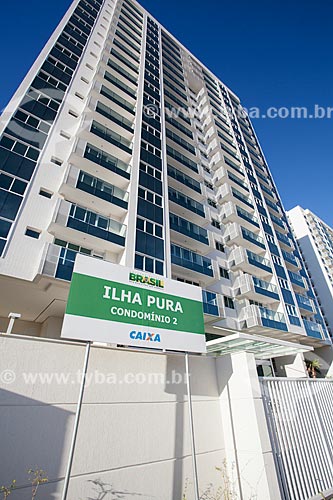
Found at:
(133, 436)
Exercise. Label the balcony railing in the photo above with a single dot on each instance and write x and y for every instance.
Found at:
(186, 202)
(254, 238)
(189, 229)
(304, 302)
(247, 216)
(312, 329)
(101, 189)
(273, 319)
(81, 219)
(289, 257)
(107, 161)
(114, 117)
(265, 288)
(296, 279)
(111, 137)
(190, 260)
(258, 261)
(184, 179)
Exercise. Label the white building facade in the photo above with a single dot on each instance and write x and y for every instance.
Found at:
(315, 240)
(121, 145)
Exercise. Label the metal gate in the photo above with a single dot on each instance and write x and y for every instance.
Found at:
(299, 414)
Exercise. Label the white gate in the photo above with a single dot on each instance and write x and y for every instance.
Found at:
(300, 419)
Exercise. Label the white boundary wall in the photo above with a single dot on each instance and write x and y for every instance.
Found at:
(133, 435)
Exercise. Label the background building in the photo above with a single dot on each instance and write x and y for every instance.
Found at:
(121, 145)
(315, 240)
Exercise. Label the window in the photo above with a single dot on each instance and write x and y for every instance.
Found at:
(224, 273)
(212, 203)
(216, 223)
(148, 264)
(219, 246)
(229, 303)
(32, 233)
(46, 194)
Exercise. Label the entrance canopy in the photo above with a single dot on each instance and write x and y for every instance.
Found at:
(261, 347)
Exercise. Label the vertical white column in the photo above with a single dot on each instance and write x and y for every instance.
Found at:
(249, 453)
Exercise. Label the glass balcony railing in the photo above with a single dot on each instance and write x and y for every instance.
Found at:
(86, 221)
(107, 161)
(284, 239)
(247, 216)
(121, 71)
(103, 190)
(250, 236)
(277, 221)
(119, 84)
(238, 181)
(304, 302)
(190, 260)
(112, 96)
(184, 179)
(240, 196)
(258, 261)
(289, 257)
(209, 302)
(189, 229)
(273, 319)
(111, 137)
(265, 288)
(296, 279)
(186, 202)
(312, 329)
(272, 205)
(114, 116)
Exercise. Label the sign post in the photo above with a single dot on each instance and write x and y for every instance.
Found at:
(117, 305)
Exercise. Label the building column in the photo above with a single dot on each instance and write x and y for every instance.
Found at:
(249, 455)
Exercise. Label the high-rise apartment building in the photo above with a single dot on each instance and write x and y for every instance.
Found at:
(121, 145)
(315, 241)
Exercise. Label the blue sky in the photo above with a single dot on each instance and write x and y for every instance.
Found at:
(270, 54)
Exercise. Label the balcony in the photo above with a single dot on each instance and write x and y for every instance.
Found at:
(262, 320)
(297, 280)
(95, 161)
(238, 235)
(227, 193)
(187, 181)
(273, 206)
(291, 260)
(188, 230)
(249, 262)
(313, 329)
(109, 141)
(285, 241)
(305, 304)
(188, 203)
(232, 213)
(74, 221)
(116, 118)
(253, 288)
(278, 223)
(186, 259)
(99, 193)
(59, 261)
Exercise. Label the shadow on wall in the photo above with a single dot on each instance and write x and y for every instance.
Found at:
(29, 430)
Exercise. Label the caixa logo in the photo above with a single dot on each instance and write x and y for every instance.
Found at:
(145, 336)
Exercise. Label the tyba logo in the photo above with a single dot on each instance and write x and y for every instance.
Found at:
(146, 280)
(145, 336)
